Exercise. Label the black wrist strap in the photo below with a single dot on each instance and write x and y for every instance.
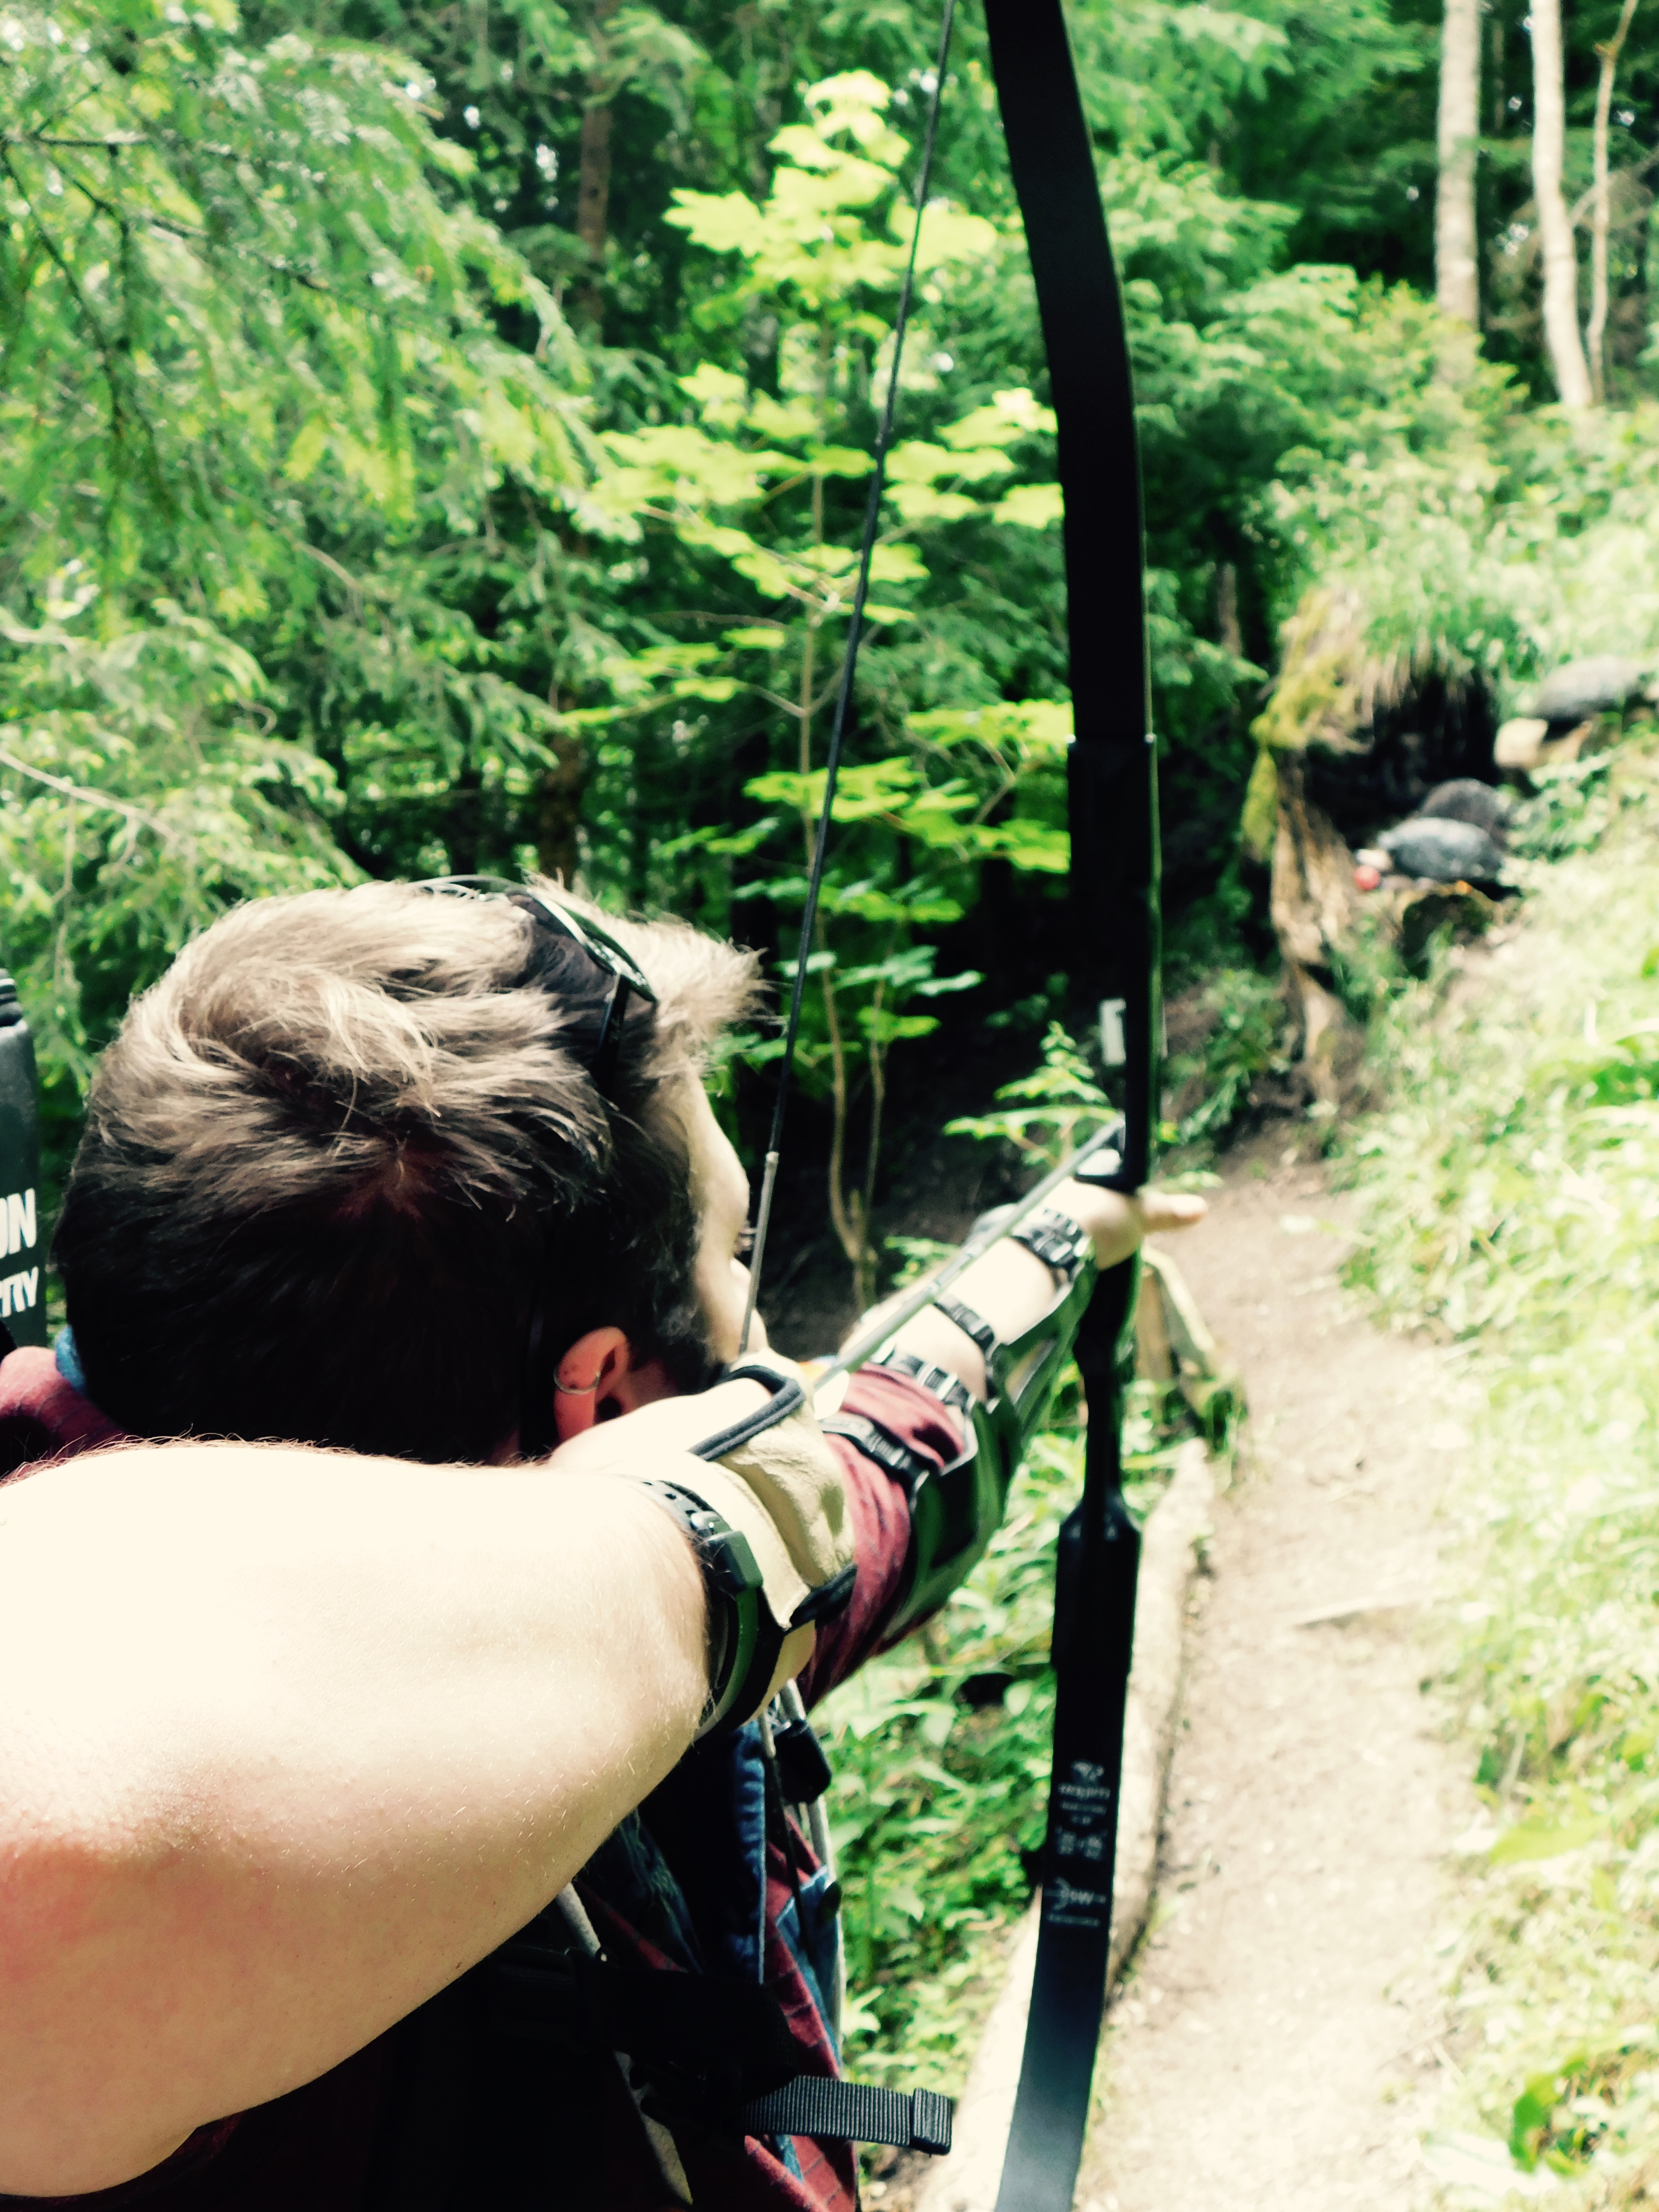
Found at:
(787, 1397)
(972, 1325)
(744, 1637)
(745, 1640)
(950, 1389)
(1060, 1243)
(907, 1467)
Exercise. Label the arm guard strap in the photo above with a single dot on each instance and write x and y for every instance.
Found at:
(955, 1510)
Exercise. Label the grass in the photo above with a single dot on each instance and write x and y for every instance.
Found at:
(1514, 1181)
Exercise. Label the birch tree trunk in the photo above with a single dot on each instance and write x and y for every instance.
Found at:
(1598, 315)
(1561, 258)
(1456, 262)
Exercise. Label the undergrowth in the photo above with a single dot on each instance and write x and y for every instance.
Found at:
(1514, 1190)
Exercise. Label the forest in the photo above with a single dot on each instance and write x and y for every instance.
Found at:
(435, 437)
(435, 440)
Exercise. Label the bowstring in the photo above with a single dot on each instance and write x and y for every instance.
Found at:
(844, 691)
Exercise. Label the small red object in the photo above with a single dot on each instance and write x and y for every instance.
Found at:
(1366, 877)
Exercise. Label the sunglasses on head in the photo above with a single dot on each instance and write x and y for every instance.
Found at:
(627, 977)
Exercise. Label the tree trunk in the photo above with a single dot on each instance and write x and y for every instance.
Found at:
(593, 191)
(558, 808)
(1457, 259)
(1560, 258)
(1598, 316)
(594, 181)
(1312, 903)
(1228, 627)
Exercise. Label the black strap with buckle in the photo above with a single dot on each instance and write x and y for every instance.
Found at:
(714, 2054)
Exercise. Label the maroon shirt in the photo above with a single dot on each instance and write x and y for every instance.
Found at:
(314, 2150)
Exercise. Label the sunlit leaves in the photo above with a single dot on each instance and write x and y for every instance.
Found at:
(143, 790)
(236, 263)
(1011, 414)
(681, 468)
(949, 237)
(1031, 507)
(259, 400)
(809, 241)
(1047, 1112)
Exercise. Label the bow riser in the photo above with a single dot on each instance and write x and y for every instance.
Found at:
(1117, 932)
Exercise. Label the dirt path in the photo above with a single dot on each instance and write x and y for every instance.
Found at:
(1275, 2048)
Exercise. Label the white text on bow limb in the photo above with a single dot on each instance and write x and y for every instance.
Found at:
(19, 1293)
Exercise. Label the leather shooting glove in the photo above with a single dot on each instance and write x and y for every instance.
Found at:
(745, 1471)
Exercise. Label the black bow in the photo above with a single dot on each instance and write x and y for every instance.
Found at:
(1115, 955)
(1116, 959)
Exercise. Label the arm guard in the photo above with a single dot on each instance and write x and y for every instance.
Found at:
(955, 1510)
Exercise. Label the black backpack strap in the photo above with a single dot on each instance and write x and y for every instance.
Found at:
(698, 2050)
(824, 2105)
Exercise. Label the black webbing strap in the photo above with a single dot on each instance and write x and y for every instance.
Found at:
(909, 1468)
(698, 2046)
(822, 2105)
(1114, 821)
(976, 1328)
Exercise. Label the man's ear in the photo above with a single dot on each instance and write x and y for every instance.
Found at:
(600, 1376)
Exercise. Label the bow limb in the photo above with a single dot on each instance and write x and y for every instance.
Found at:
(1114, 792)
(1116, 957)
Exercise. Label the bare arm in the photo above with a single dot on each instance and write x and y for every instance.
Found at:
(287, 1741)
(1011, 1287)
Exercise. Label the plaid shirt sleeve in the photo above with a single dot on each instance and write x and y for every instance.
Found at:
(881, 1518)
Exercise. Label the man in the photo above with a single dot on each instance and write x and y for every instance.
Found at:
(294, 1736)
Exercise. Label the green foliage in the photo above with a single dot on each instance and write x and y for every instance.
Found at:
(1047, 1114)
(284, 312)
(231, 294)
(144, 790)
(1239, 357)
(1565, 2114)
(286, 348)
(437, 437)
(1241, 1020)
(746, 483)
(1511, 1180)
(1477, 534)
(258, 420)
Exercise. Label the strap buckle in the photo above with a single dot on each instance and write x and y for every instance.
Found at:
(950, 1389)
